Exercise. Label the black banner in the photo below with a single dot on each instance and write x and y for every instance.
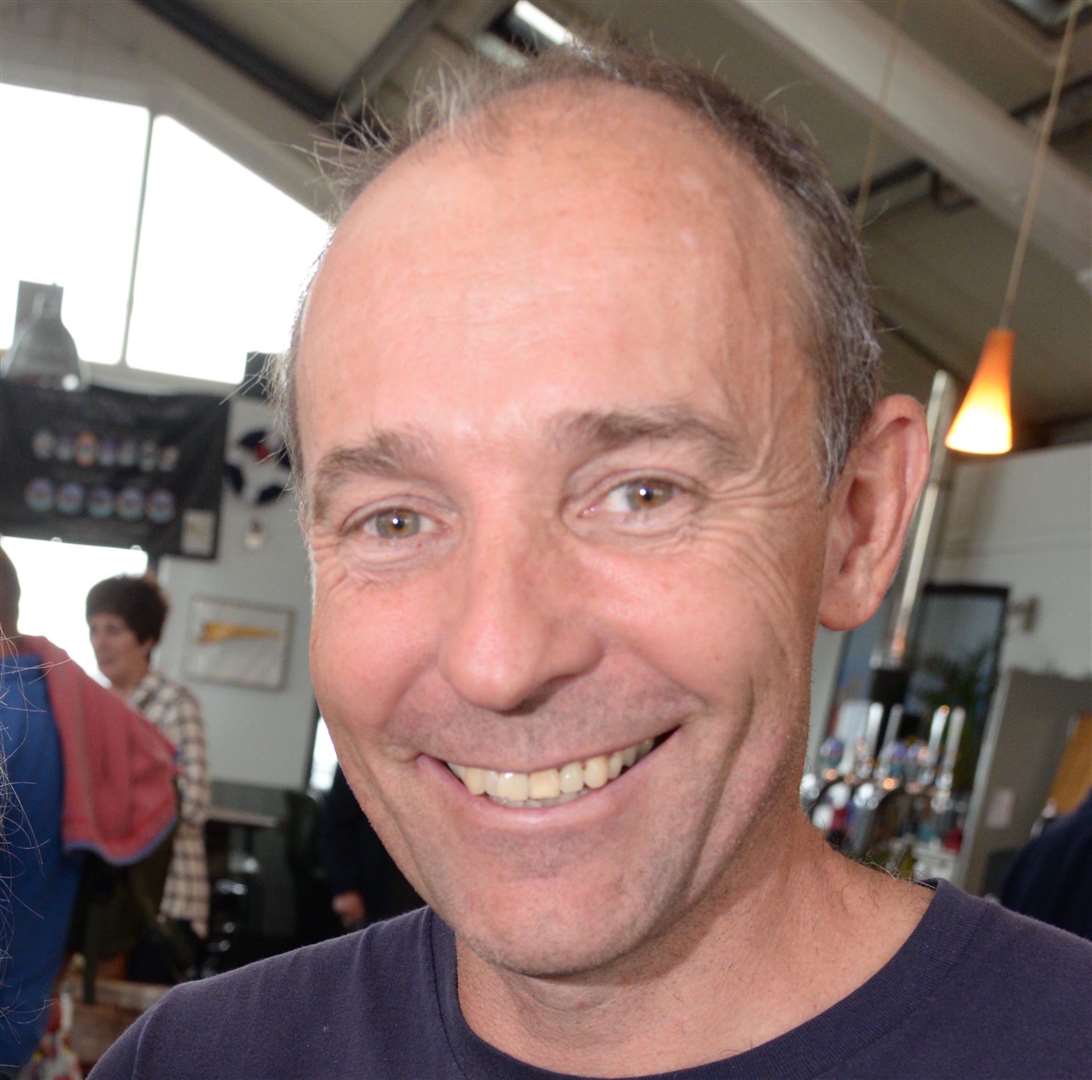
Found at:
(108, 467)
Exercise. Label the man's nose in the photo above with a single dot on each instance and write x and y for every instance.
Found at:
(516, 622)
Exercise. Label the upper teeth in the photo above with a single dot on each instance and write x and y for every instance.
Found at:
(561, 784)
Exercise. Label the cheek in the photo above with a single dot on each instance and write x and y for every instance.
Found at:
(368, 646)
(735, 607)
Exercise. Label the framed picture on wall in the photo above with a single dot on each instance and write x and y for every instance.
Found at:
(237, 643)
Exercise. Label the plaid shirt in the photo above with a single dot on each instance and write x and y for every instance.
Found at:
(174, 710)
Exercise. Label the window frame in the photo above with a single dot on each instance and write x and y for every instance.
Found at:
(275, 160)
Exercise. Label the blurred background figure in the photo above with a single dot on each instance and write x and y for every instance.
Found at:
(89, 783)
(125, 616)
(365, 883)
(1051, 876)
(1051, 879)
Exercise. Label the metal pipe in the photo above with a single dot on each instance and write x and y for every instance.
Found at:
(890, 651)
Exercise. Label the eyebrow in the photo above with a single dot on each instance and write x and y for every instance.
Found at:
(388, 453)
(616, 429)
(398, 452)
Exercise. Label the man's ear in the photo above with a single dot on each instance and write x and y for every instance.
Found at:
(872, 505)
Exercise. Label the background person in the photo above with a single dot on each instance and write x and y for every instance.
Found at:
(1051, 878)
(85, 774)
(125, 616)
(365, 882)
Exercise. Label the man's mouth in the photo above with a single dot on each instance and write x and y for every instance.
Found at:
(551, 787)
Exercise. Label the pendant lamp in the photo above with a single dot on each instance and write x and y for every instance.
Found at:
(983, 424)
(43, 352)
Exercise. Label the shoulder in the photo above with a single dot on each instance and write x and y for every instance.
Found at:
(331, 995)
(1022, 991)
(380, 950)
(1051, 961)
(976, 991)
(157, 691)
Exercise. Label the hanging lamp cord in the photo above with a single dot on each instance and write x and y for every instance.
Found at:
(1037, 168)
(865, 186)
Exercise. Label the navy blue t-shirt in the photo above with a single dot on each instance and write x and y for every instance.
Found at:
(976, 992)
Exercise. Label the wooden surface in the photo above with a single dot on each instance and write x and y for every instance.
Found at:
(118, 1004)
(1074, 776)
(228, 815)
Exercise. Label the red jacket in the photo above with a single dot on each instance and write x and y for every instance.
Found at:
(119, 797)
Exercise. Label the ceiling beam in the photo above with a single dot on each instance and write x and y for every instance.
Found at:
(935, 114)
(244, 56)
(411, 27)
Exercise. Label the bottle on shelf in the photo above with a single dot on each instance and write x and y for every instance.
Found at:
(883, 782)
(832, 811)
(922, 783)
(945, 811)
(827, 764)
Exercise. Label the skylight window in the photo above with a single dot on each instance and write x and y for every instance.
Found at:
(223, 258)
(68, 212)
(222, 254)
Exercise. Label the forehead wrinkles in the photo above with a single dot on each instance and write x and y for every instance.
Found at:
(676, 180)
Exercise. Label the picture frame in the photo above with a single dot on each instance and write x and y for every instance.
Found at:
(237, 643)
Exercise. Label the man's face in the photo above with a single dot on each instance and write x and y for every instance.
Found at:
(558, 442)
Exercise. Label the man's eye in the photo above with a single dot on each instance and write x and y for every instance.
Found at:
(638, 496)
(395, 524)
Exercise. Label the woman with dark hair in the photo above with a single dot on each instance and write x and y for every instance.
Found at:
(126, 616)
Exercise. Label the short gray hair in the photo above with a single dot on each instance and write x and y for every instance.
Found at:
(839, 322)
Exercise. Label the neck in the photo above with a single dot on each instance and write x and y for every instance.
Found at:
(129, 683)
(743, 966)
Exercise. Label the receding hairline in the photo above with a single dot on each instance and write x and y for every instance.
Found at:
(486, 130)
(838, 319)
(534, 109)
(504, 124)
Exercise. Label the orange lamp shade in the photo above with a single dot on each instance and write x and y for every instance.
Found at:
(983, 424)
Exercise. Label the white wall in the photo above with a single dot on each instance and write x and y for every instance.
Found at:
(254, 736)
(1025, 521)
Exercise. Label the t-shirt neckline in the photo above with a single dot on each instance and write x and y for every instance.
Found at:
(831, 1038)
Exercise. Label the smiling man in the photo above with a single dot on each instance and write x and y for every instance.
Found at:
(583, 405)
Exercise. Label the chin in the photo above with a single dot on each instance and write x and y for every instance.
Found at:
(533, 948)
(555, 928)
